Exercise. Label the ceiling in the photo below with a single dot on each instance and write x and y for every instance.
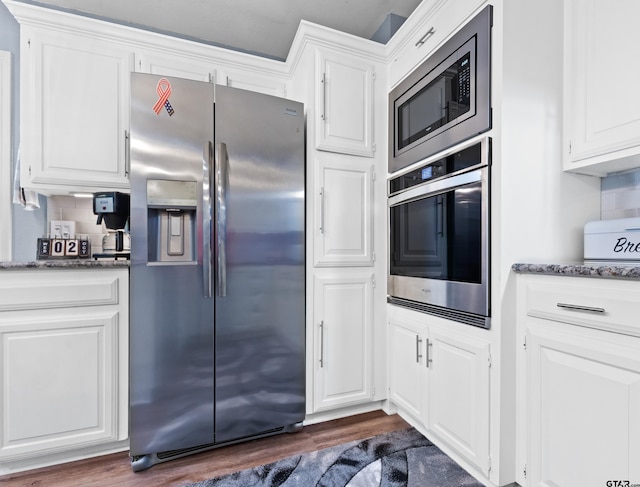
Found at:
(263, 27)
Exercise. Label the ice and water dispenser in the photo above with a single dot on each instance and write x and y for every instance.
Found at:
(171, 207)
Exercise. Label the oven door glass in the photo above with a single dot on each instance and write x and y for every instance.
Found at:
(439, 236)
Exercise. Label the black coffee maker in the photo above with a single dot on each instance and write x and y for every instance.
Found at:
(113, 209)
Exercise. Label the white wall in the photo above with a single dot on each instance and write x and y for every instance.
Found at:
(27, 226)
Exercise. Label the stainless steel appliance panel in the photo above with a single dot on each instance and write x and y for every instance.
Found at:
(259, 263)
(217, 335)
(439, 245)
(171, 332)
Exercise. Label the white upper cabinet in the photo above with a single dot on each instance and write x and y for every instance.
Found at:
(344, 213)
(246, 80)
(433, 22)
(165, 64)
(344, 103)
(602, 111)
(74, 111)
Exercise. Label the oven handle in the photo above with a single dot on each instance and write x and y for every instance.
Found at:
(436, 187)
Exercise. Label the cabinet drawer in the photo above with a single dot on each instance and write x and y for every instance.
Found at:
(22, 290)
(611, 305)
(439, 22)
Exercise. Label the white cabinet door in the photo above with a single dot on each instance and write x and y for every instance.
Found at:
(166, 64)
(64, 367)
(343, 213)
(343, 321)
(440, 378)
(252, 81)
(583, 398)
(602, 117)
(344, 104)
(458, 394)
(75, 111)
(407, 371)
(59, 374)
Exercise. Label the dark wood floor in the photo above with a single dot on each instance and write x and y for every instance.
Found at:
(115, 470)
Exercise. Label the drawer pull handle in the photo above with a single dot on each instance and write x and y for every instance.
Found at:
(424, 38)
(576, 307)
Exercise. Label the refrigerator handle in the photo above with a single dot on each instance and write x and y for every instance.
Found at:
(206, 219)
(222, 181)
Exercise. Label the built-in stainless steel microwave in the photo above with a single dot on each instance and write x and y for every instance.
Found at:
(446, 100)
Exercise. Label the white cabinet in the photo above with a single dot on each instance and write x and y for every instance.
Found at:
(577, 383)
(431, 24)
(247, 80)
(74, 111)
(179, 66)
(207, 69)
(342, 336)
(439, 375)
(458, 398)
(602, 118)
(344, 103)
(407, 371)
(64, 368)
(343, 226)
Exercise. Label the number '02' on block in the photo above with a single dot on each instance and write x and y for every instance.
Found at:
(68, 248)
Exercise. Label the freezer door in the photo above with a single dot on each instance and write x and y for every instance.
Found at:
(259, 255)
(172, 320)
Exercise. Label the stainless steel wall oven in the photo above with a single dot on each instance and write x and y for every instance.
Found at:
(439, 246)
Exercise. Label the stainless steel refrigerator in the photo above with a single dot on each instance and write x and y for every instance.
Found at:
(217, 267)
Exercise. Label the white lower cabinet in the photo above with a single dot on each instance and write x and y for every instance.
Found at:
(579, 397)
(439, 377)
(458, 397)
(342, 338)
(407, 371)
(64, 367)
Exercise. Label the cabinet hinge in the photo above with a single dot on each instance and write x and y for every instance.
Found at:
(373, 257)
(373, 173)
(373, 75)
(524, 344)
(489, 360)
(373, 147)
(373, 281)
(569, 147)
(29, 43)
(524, 471)
(29, 171)
(489, 464)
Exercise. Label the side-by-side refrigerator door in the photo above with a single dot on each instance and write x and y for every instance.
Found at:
(171, 320)
(259, 256)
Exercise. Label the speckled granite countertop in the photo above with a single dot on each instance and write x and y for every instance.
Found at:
(607, 271)
(66, 264)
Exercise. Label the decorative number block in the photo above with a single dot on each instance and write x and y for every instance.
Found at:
(57, 248)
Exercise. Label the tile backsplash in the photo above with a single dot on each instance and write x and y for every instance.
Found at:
(620, 195)
(80, 211)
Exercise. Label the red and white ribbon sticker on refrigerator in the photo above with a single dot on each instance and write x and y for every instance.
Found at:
(163, 89)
